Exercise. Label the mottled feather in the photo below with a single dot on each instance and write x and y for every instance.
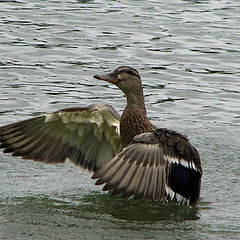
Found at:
(87, 136)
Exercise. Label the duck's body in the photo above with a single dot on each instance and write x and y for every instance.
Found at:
(139, 160)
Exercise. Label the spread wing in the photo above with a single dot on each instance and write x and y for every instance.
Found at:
(87, 136)
(157, 165)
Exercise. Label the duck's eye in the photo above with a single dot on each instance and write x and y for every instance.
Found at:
(126, 72)
(130, 72)
(122, 74)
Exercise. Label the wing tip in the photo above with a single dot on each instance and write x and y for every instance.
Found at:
(183, 184)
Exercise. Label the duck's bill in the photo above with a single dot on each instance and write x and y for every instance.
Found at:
(107, 77)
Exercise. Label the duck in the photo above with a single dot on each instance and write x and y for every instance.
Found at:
(128, 154)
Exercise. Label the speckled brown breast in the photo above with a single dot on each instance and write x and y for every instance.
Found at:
(133, 122)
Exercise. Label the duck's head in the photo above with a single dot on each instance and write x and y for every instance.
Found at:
(124, 77)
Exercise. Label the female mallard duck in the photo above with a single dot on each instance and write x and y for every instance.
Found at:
(128, 153)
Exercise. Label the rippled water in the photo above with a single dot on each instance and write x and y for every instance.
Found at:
(188, 55)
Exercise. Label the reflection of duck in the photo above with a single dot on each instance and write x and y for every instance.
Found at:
(153, 164)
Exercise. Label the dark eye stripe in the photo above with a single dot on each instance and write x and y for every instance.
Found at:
(131, 72)
(128, 70)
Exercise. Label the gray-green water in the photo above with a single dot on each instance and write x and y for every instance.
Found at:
(188, 55)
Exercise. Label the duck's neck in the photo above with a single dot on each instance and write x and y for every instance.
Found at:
(136, 101)
(134, 118)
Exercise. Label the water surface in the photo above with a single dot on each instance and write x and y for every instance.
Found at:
(187, 53)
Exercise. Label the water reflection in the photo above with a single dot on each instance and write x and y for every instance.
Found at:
(137, 211)
(94, 205)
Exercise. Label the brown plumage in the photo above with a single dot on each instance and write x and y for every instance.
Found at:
(128, 154)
